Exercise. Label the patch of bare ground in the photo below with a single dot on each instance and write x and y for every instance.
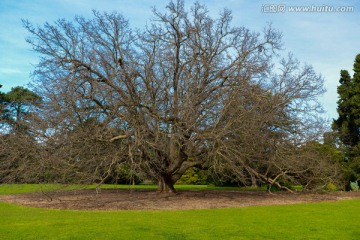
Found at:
(151, 200)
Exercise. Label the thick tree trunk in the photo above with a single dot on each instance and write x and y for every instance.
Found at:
(166, 185)
(253, 181)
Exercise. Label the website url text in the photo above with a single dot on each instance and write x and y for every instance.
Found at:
(282, 8)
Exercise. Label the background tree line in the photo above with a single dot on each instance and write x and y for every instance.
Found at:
(186, 95)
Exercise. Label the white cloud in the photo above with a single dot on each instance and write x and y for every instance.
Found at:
(9, 71)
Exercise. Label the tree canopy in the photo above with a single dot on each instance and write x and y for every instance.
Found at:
(17, 106)
(186, 91)
(348, 106)
(347, 126)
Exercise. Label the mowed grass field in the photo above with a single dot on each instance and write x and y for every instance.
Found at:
(327, 220)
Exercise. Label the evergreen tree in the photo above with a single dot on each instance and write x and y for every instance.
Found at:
(347, 126)
(16, 106)
(3, 110)
(348, 123)
(355, 101)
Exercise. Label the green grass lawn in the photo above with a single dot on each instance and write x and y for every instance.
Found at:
(330, 220)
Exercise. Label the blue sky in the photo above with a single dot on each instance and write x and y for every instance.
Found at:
(327, 40)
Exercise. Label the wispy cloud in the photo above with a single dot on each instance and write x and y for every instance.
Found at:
(9, 71)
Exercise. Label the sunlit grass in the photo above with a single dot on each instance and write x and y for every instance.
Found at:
(330, 220)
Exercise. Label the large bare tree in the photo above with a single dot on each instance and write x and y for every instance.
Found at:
(187, 90)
